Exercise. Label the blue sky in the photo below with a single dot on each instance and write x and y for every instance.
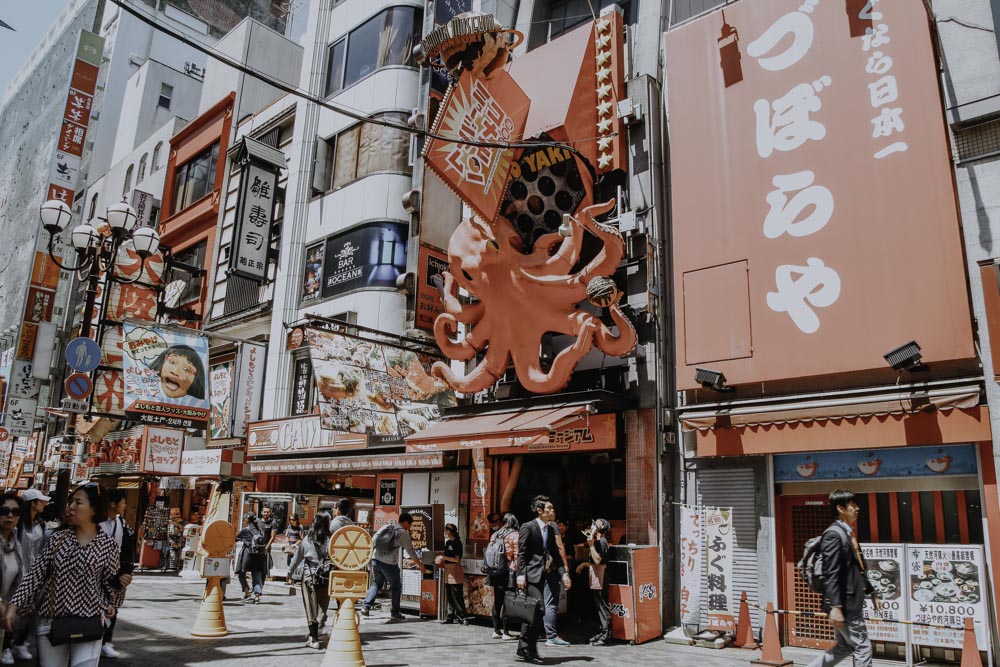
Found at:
(30, 21)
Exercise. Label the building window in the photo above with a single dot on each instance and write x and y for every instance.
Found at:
(156, 158)
(361, 150)
(385, 39)
(128, 180)
(193, 257)
(195, 178)
(93, 208)
(166, 94)
(142, 168)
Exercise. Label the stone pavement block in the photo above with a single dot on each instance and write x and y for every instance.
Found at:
(156, 620)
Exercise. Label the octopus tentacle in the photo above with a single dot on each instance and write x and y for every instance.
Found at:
(446, 326)
(610, 256)
(464, 313)
(545, 263)
(536, 380)
(624, 342)
(485, 374)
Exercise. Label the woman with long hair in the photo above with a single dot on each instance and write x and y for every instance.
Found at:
(11, 560)
(507, 535)
(251, 557)
(454, 577)
(76, 574)
(311, 565)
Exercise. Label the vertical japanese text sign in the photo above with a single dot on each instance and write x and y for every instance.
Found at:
(254, 215)
(690, 556)
(719, 571)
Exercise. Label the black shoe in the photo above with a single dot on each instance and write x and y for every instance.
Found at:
(531, 659)
(464, 621)
(599, 642)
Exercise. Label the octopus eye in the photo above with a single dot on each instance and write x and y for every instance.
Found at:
(467, 276)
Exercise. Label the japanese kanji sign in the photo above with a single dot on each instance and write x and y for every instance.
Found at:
(492, 111)
(254, 214)
(946, 584)
(811, 143)
(690, 555)
(885, 565)
(719, 569)
(161, 451)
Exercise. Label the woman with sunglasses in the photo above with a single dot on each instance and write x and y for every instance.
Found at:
(11, 561)
(76, 574)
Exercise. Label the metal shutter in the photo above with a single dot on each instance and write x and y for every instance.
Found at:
(733, 487)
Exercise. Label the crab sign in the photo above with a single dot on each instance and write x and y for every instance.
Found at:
(522, 297)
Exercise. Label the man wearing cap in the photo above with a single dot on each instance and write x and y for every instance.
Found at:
(31, 532)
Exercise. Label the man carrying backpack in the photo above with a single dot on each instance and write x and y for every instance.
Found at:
(387, 542)
(844, 584)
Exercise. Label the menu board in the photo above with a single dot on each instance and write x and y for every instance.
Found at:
(884, 564)
(947, 584)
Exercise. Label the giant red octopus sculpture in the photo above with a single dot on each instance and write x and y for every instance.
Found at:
(521, 297)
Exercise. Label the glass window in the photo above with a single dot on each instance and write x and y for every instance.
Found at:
(142, 168)
(128, 180)
(166, 94)
(194, 257)
(195, 178)
(385, 39)
(156, 157)
(367, 148)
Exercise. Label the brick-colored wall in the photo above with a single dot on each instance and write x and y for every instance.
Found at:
(640, 475)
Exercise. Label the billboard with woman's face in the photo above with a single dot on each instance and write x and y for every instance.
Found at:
(166, 376)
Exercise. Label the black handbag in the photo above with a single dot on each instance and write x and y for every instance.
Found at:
(521, 607)
(75, 629)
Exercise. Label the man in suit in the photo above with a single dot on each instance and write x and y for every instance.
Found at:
(845, 585)
(537, 558)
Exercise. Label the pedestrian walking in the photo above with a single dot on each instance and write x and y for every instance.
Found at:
(311, 566)
(31, 532)
(269, 525)
(341, 515)
(293, 535)
(251, 557)
(502, 542)
(387, 542)
(123, 535)
(845, 585)
(454, 576)
(537, 560)
(73, 582)
(11, 561)
(552, 591)
(597, 548)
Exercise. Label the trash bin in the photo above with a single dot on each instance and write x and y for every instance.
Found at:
(632, 576)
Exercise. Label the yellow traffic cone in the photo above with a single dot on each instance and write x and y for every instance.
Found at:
(344, 649)
(211, 620)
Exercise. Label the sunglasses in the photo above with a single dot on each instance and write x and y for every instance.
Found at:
(10, 511)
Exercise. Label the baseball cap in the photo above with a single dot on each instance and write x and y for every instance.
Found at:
(34, 494)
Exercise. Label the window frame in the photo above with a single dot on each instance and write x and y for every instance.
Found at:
(182, 178)
(332, 146)
(169, 97)
(128, 180)
(338, 87)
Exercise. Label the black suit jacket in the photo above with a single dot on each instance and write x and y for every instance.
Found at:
(531, 552)
(844, 582)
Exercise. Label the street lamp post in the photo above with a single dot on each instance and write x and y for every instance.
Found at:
(96, 255)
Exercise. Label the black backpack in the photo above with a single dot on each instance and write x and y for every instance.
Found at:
(811, 564)
(258, 543)
(495, 556)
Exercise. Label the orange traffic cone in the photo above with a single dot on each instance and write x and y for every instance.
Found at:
(771, 655)
(744, 632)
(970, 649)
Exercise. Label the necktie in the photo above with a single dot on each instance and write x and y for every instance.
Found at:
(545, 537)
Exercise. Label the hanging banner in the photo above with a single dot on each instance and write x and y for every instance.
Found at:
(885, 564)
(691, 558)
(222, 400)
(380, 390)
(165, 376)
(479, 498)
(161, 451)
(254, 215)
(144, 203)
(429, 305)
(249, 387)
(947, 584)
(719, 571)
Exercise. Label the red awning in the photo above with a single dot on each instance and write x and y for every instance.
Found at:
(507, 429)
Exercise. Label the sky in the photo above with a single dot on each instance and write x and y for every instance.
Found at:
(30, 20)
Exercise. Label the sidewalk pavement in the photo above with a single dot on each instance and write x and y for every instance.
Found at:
(155, 623)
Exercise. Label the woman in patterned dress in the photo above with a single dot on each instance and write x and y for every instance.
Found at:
(74, 575)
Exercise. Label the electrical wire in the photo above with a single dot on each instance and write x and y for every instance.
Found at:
(343, 110)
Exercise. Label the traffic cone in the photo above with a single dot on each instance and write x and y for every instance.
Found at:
(771, 654)
(344, 649)
(211, 619)
(970, 649)
(744, 632)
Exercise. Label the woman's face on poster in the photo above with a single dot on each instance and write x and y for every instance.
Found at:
(177, 375)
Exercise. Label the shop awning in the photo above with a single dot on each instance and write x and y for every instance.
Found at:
(375, 463)
(832, 408)
(508, 429)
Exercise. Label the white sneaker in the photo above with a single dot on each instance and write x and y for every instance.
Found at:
(21, 652)
(108, 651)
(312, 643)
(496, 635)
(7, 658)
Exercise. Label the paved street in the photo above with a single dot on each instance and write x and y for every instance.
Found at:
(160, 610)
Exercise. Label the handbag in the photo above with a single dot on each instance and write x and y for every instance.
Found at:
(72, 629)
(521, 607)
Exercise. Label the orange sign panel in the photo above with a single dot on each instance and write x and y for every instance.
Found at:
(814, 155)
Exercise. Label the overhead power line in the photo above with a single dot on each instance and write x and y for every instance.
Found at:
(338, 108)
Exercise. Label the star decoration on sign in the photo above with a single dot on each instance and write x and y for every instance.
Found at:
(603, 91)
(604, 108)
(604, 126)
(603, 74)
(604, 144)
(604, 161)
(602, 58)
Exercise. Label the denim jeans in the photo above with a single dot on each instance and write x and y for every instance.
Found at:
(256, 577)
(383, 573)
(852, 640)
(551, 590)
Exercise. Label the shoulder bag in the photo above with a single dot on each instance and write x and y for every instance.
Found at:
(521, 607)
(321, 575)
(72, 629)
